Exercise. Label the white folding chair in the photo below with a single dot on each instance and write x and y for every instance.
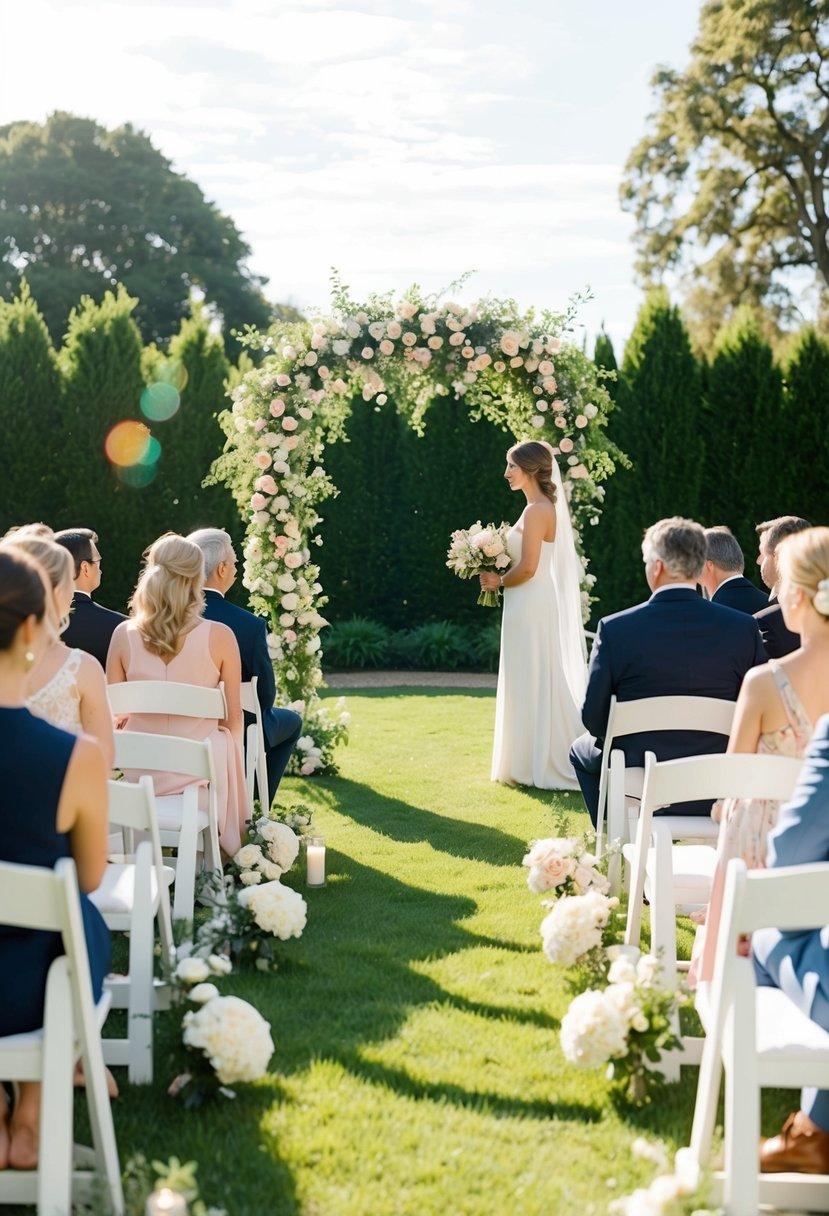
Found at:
(759, 1037)
(256, 767)
(134, 894)
(182, 824)
(677, 877)
(36, 898)
(620, 788)
(167, 697)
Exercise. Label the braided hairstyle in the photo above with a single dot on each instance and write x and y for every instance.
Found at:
(537, 460)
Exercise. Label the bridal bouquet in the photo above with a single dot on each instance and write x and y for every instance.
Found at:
(626, 1024)
(473, 550)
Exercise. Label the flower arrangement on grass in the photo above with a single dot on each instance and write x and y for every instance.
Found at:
(252, 920)
(512, 367)
(573, 931)
(565, 865)
(271, 849)
(627, 1026)
(142, 1178)
(680, 1192)
(473, 550)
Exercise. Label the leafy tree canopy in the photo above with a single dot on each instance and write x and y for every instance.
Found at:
(729, 184)
(85, 209)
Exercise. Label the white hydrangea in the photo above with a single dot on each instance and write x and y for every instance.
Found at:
(192, 970)
(593, 1030)
(234, 1037)
(574, 926)
(283, 842)
(276, 909)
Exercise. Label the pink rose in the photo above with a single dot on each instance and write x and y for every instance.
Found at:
(282, 380)
(289, 636)
(293, 560)
(393, 329)
(566, 445)
(516, 362)
(559, 405)
(409, 338)
(305, 413)
(468, 352)
(545, 368)
(367, 352)
(386, 347)
(323, 372)
(266, 484)
(542, 405)
(310, 358)
(290, 442)
(581, 421)
(509, 343)
(307, 769)
(435, 342)
(537, 422)
(457, 339)
(262, 460)
(289, 424)
(277, 407)
(406, 310)
(500, 367)
(562, 422)
(260, 424)
(258, 502)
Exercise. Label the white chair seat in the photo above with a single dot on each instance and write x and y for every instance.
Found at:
(116, 894)
(784, 1031)
(170, 810)
(693, 873)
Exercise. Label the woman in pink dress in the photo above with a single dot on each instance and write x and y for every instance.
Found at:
(775, 712)
(166, 638)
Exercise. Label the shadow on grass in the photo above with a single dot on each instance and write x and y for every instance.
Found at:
(414, 825)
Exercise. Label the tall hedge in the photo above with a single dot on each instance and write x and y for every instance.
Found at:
(803, 442)
(30, 414)
(101, 366)
(746, 480)
(604, 357)
(657, 423)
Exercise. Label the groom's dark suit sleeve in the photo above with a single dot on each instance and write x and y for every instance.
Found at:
(262, 667)
(596, 708)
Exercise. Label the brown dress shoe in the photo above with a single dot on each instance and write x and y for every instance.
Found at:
(798, 1149)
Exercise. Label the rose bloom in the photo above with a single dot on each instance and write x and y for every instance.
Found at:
(517, 361)
(509, 343)
(341, 346)
(435, 342)
(282, 380)
(386, 347)
(500, 367)
(260, 424)
(277, 407)
(192, 970)
(289, 424)
(286, 620)
(305, 413)
(538, 422)
(291, 442)
(550, 385)
(406, 310)
(457, 339)
(566, 445)
(393, 329)
(367, 352)
(258, 502)
(293, 560)
(310, 358)
(352, 329)
(266, 484)
(262, 459)
(541, 405)
(545, 367)
(409, 338)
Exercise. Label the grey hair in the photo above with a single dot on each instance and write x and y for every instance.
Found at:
(724, 549)
(679, 544)
(215, 545)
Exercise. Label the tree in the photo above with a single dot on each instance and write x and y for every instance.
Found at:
(744, 433)
(657, 421)
(85, 209)
(30, 396)
(734, 163)
(803, 446)
(604, 357)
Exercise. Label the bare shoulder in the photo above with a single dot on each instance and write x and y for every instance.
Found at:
(90, 670)
(223, 636)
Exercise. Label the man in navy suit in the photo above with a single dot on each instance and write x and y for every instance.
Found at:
(675, 644)
(777, 639)
(722, 575)
(798, 963)
(282, 727)
(91, 626)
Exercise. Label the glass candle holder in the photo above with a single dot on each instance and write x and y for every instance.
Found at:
(315, 862)
(166, 1202)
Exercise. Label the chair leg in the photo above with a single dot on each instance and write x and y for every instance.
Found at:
(742, 1111)
(140, 1014)
(100, 1120)
(185, 888)
(54, 1181)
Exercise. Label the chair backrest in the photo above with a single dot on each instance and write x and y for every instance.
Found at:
(698, 778)
(132, 806)
(167, 697)
(250, 696)
(164, 754)
(790, 898)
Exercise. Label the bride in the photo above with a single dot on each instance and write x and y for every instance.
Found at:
(542, 671)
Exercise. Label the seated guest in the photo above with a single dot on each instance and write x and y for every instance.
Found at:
(165, 638)
(282, 727)
(798, 962)
(722, 575)
(67, 687)
(90, 625)
(777, 639)
(674, 644)
(53, 804)
(776, 709)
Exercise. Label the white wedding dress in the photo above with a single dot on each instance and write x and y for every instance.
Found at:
(541, 678)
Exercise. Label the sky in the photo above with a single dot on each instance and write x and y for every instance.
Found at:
(398, 142)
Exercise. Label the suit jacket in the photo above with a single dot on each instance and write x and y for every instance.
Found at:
(675, 644)
(91, 626)
(252, 635)
(740, 594)
(777, 639)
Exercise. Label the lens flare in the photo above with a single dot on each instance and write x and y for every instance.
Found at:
(160, 401)
(127, 443)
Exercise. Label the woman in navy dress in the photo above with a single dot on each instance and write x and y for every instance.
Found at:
(53, 804)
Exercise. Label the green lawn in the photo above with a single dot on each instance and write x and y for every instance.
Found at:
(417, 1066)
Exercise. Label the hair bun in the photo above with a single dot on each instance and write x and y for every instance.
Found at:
(821, 597)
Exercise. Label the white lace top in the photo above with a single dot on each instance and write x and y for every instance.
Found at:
(59, 700)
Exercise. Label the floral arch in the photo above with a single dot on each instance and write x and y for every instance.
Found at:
(517, 370)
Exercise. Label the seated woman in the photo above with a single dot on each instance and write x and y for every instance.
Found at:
(167, 639)
(775, 713)
(67, 687)
(53, 804)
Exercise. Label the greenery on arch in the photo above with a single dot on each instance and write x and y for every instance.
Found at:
(516, 369)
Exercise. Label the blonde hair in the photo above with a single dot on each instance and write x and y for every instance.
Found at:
(169, 597)
(55, 562)
(803, 559)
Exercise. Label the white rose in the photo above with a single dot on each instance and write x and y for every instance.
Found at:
(233, 1036)
(202, 993)
(276, 909)
(250, 878)
(249, 855)
(219, 964)
(192, 970)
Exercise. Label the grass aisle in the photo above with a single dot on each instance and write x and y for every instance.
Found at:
(417, 1065)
